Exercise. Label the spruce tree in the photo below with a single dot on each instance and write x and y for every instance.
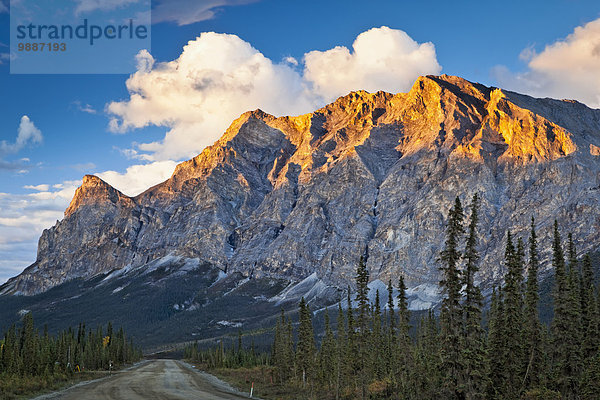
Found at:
(403, 314)
(588, 310)
(351, 350)
(305, 352)
(513, 318)
(392, 348)
(473, 347)
(403, 344)
(562, 374)
(340, 356)
(451, 316)
(377, 342)
(533, 349)
(496, 347)
(390, 304)
(362, 323)
(574, 360)
(327, 355)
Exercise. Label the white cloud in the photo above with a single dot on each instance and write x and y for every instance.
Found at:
(291, 60)
(138, 178)
(185, 12)
(40, 188)
(28, 134)
(88, 6)
(568, 68)
(217, 77)
(84, 107)
(23, 217)
(382, 59)
(4, 57)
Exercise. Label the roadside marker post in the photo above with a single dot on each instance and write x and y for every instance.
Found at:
(251, 389)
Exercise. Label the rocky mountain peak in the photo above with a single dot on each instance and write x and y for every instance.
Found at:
(94, 192)
(370, 173)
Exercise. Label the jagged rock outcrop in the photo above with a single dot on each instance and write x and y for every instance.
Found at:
(368, 174)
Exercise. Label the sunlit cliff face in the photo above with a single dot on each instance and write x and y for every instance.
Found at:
(370, 173)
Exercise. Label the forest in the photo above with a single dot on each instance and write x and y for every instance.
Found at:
(31, 361)
(468, 348)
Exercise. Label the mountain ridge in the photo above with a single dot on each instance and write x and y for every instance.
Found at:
(369, 173)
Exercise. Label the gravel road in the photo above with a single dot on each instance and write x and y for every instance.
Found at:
(152, 380)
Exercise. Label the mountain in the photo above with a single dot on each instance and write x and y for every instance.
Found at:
(296, 198)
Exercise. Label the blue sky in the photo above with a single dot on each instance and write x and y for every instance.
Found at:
(528, 46)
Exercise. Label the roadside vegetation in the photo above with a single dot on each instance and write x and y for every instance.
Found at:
(33, 362)
(463, 352)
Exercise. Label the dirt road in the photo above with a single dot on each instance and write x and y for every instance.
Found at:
(156, 379)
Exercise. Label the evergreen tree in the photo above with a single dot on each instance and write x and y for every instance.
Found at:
(473, 347)
(574, 334)
(562, 373)
(392, 344)
(588, 311)
(532, 330)
(28, 350)
(403, 343)
(377, 362)
(305, 352)
(327, 356)
(362, 292)
(340, 356)
(513, 318)
(282, 353)
(390, 304)
(496, 347)
(451, 312)
(351, 350)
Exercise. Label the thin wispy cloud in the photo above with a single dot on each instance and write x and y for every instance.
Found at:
(185, 12)
(88, 6)
(84, 107)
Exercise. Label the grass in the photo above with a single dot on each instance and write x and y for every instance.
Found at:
(16, 387)
(264, 385)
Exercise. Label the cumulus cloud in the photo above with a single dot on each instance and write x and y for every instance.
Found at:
(138, 178)
(217, 77)
(185, 12)
(568, 68)
(382, 59)
(23, 217)
(27, 134)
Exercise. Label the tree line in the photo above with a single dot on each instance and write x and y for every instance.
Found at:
(227, 356)
(26, 354)
(504, 353)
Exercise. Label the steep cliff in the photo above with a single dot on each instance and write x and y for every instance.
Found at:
(368, 174)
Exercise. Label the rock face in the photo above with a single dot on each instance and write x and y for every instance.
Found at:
(370, 174)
